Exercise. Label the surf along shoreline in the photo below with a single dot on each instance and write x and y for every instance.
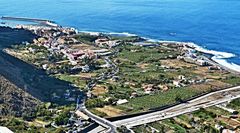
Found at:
(219, 58)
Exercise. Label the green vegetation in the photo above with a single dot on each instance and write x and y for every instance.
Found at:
(140, 66)
(98, 113)
(19, 126)
(202, 120)
(85, 38)
(146, 79)
(81, 83)
(138, 54)
(235, 104)
(127, 38)
(63, 118)
(160, 99)
(204, 114)
(123, 129)
(234, 80)
(95, 102)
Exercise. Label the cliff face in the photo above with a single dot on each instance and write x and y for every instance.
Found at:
(13, 100)
(10, 36)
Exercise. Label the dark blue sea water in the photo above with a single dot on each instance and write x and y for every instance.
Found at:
(212, 24)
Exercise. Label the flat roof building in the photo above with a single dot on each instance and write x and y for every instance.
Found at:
(5, 130)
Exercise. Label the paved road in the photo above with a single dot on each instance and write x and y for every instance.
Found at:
(110, 127)
(205, 101)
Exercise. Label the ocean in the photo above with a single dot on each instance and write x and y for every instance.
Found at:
(214, 25)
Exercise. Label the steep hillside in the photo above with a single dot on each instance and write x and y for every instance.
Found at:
(13, 100)
(22, 85)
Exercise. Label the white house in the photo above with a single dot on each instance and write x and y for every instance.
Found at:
(122, 101)
(177, 83)
(5, 130)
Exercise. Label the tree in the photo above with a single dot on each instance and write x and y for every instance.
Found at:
(96, 102)
(123, 129)
(63, 118)
(178, 99)
(110, 87)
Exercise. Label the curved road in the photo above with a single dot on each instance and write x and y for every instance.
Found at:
(205, 101)
(111, 128)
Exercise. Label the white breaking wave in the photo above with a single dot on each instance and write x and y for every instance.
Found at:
(150, 40)
(90, 32)
(125, 34)
(120, 33)
(218, 56)
(227, 64)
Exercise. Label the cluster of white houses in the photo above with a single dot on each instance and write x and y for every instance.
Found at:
(57, 41)
(191, 57)
(106, 42)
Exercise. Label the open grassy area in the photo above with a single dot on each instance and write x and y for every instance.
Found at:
(145, 54)
(234, 80)
(77, 80)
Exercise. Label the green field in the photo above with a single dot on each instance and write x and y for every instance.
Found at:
(159, 99)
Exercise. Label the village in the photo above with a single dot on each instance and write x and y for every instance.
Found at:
(120, 74)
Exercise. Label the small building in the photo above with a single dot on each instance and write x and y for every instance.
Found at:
(181, 77)
(230, 123)
(189, 60)
(213, 68)
(201, 62)
(85, 68)
(5, 130)
(60, 47)
(163, 87)
(101, 41)
(228, 131)
(82, 115)
(177, 83)
(104, 41)
(122, 101)
(31, 50)
(148, 88)
(133, 95)
(45, 66)
(218, 127)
